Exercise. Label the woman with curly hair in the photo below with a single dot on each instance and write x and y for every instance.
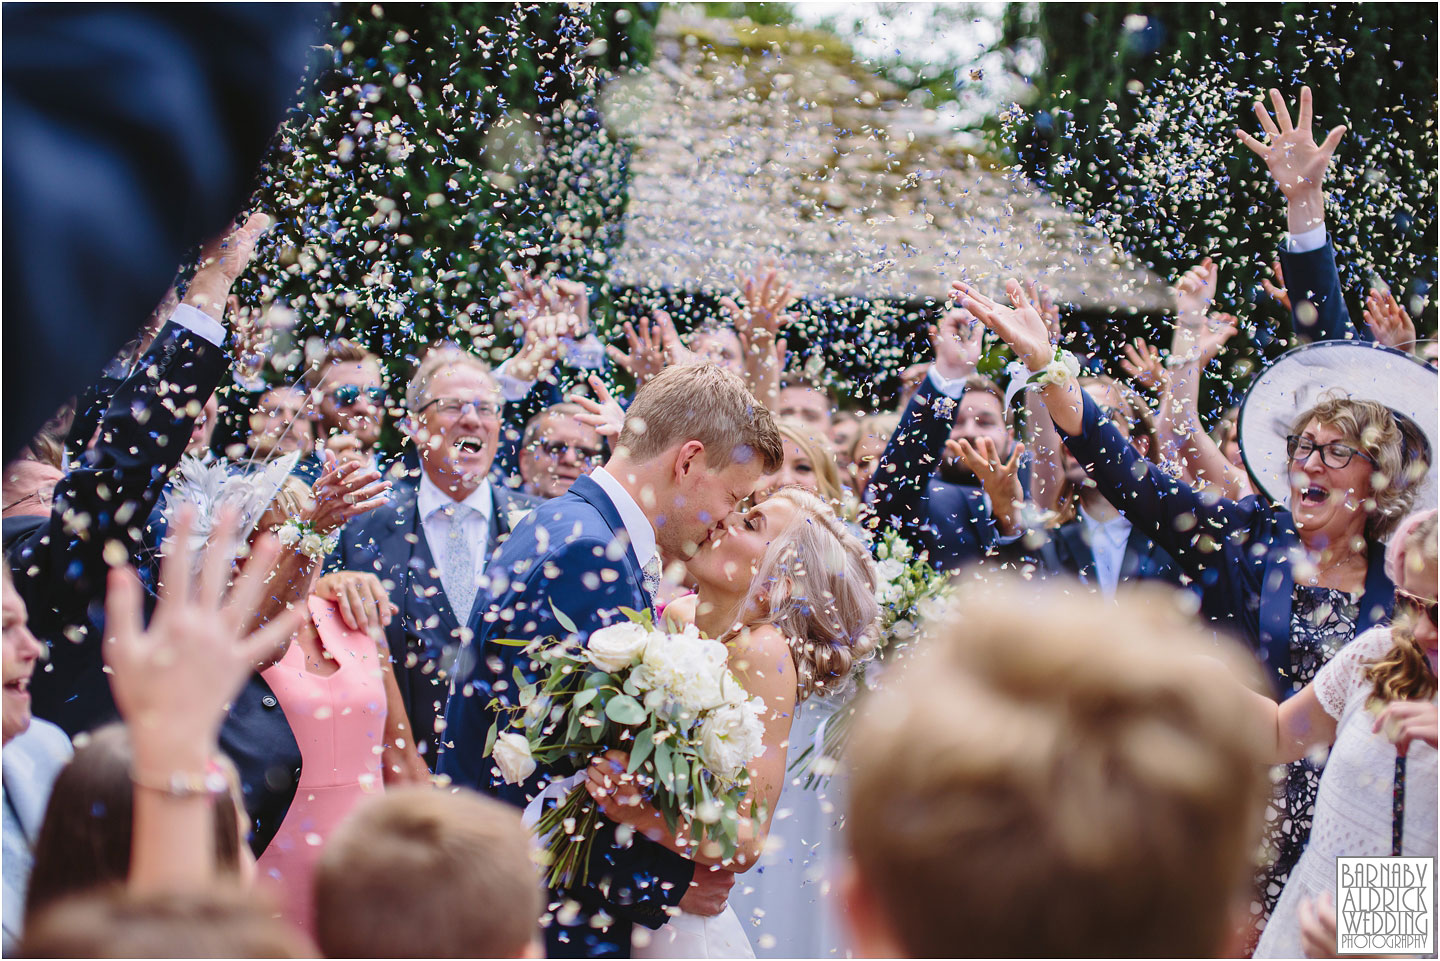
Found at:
(1375, 702)
(791, 592)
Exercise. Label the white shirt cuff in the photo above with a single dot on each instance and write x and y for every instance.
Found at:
(512, 388)
(1306, 241)
(951, 388)
(198, 322)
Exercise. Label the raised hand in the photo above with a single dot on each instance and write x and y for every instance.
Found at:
(1296, 161)
(1145, 365)
(1388, 321)
(345, 490)
(174, 680)
(1405, 722)
(652, 348)
(221, 262)
(363, 602)
(1211, 337)
(959, 341)
(999, 478)
(1019, 325)
(1277, 290)
(1194, 292)
(604, 413)
(766, 295)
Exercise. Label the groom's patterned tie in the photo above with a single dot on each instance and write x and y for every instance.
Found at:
(652, 576)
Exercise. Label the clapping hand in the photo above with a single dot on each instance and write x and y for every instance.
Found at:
(999, 478)
(345, 490)
(603, 413)
(173, 681)
(1296, 161)
(1388, 321)
(364, 605)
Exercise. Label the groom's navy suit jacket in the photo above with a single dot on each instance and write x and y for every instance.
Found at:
(571, 554)
(390, 542)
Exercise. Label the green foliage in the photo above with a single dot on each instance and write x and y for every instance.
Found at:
(435, 143)
(1134, 122)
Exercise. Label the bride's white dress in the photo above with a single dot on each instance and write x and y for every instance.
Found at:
(683, 936)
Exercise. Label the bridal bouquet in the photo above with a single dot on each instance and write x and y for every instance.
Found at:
(668, 699)
(911, 593)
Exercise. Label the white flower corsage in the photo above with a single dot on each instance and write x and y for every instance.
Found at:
(1065, 366)
(310, 542)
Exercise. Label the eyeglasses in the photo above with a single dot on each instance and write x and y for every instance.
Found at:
(1334, 456)
(348, 396)
(1417, 607)
(556, 450)
(454, 407)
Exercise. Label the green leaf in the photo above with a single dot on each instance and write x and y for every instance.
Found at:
(644, 617)
(507, 642)
(519, 677)
(644, 744)
(582, 698)
(682, 776)
(625, 710)
(561, 619)
(664, 771)
(490, 738)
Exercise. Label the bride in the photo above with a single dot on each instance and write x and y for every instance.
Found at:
(792, 594)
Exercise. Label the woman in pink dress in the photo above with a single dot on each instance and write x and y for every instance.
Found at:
(331, 685)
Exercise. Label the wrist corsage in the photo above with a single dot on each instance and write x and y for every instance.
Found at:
(310, 542)
(1065, 366)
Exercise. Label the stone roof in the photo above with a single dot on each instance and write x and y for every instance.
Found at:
(753, 141)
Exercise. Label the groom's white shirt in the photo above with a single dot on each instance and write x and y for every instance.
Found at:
(637, 525)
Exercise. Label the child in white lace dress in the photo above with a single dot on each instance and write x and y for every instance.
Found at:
(1373, 701)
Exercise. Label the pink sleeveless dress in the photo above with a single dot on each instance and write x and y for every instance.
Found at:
(339, 723)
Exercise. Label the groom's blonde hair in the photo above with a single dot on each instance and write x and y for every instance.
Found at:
(706, 403)
(1058, 775)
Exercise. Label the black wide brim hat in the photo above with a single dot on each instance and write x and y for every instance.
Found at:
(1357, 369)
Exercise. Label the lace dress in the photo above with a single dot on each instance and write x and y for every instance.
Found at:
(1322, 621)
(1354, 807)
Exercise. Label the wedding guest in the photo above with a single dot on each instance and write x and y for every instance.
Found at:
(557, 448)
(430, 540)
(870, 442)
(428, 874)
(281, 425)
(809, 463)
(347, 386)
(803, 401)
(844, 431)
(1047, 779)
(34, 753)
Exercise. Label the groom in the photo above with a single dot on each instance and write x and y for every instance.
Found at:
(694, 444)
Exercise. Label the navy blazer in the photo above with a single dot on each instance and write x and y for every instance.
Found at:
(571, 554)
(950, 521)
(423, 638)
(1238, 551)
(1312, 278)
(61, 576)
(1067, 550)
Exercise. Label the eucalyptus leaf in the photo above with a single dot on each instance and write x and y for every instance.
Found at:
(644, 744)
(625, 710)
(561, 619)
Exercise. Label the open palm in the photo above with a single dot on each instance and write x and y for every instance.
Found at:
(1019, 325)
(1295, 160)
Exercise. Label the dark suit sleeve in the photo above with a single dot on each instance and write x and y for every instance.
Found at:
(1188, 525)
(901, 481)
(60, 568)
(1317, 302)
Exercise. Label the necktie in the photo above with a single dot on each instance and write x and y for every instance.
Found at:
(652, 576)
(457, 575)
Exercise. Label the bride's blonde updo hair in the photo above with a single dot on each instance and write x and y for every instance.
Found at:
(819, 581)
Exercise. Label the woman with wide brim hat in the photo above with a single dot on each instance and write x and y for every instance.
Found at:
(1339, 435)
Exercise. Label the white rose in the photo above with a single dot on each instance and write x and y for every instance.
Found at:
(901, 550)
(732, 736)
(616, 647)
(890, 570)
(288, 535)
(512, 756)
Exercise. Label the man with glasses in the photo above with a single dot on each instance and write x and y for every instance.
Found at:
(430, 543)
(347, 387)
(556, 449)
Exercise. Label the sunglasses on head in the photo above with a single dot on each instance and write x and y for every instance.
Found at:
(1416, 607)
(348, 396)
